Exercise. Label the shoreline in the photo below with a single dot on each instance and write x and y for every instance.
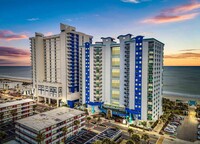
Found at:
(16, 79)
(178, 97)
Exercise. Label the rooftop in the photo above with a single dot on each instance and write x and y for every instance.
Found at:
(46, 119)
(7, 104)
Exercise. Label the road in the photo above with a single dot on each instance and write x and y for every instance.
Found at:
(188, 130)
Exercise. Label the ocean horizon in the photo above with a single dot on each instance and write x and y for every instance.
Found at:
(177, 80)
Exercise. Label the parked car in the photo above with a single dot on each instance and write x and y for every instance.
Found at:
(199, 126)
(198, 137)
(172, 126)
(198, 132)
(169, 130)
(175, 123)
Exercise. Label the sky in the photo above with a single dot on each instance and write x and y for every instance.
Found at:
(176, 23)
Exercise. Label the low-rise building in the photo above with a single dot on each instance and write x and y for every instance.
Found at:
(11, 111)
(50, 127)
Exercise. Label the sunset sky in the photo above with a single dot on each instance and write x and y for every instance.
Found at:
(174, 22)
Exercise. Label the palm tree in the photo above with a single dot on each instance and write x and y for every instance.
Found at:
(135, 138)
(13, 113)
(1, 116)
(94, 117)
(144, 123)
(2, 134)
(98, 120)
(64, 130)
(40, 137)
(107, 141)
(130, 142)
(86, 111)
(97, 142)
(34, 106)
(130, 131)
(76, 123)
(109, 114)
(88, 120)
(145, 137)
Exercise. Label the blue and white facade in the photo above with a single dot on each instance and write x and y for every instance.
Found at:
(55, 66)
(130, 83)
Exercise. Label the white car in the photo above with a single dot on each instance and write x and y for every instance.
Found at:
(169, 130)
(172, 125)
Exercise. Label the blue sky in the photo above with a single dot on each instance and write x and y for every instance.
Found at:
(174, 22)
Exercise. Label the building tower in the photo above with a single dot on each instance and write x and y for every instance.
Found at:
(55, 65)
(125, 77)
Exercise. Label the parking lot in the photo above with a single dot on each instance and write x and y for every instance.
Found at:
(188, 130)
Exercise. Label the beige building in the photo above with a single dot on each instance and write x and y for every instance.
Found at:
(55, 65)
(51, 125)
(11, 111)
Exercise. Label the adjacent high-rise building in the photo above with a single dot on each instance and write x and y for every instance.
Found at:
(55, 65)
(125, 77)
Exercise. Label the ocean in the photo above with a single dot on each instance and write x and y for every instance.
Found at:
(178, 80)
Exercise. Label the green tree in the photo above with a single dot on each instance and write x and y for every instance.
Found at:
(34, 107)
(107, 141)
(109, 114)
(88, 120)
(64, 130)
(94, 116)
(2, 135)
(13, 113)
(98, 120)
(97, 142)
(130, 131)
(145, 137)
(1, 116)
(135, 138)
(40, 138)
(86, 111)
(144, 123)
(77, 123)
(130, 142)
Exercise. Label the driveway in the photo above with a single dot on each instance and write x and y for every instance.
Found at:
(188, 130)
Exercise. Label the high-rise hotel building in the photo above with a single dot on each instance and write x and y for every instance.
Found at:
(55, 65)
(125, 77)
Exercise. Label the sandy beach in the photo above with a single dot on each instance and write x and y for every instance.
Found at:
(182, 98)
(16, 79)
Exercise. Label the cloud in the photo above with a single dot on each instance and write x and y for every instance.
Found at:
(134, 1)
(186, 50)
(33, 19)
(9, 35)
(175, 14)
(162, 18)
(48, 34)
(10, 56)
(69, 20)
(13, 52)
(183, 8)
(183, 55)
(130, 1)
